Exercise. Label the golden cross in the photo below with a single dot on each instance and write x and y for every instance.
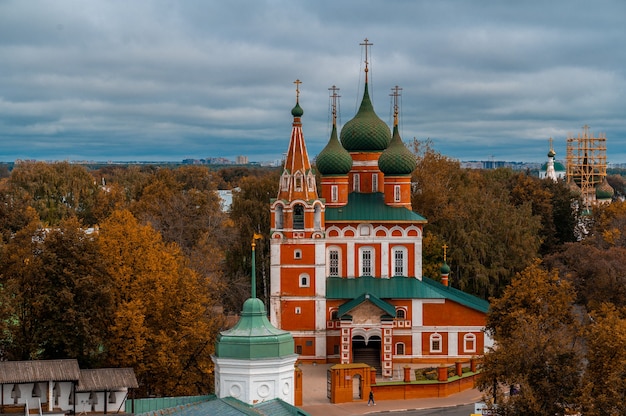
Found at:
(297, 82)
(334, 97)
(445, 248)
(366, 43)
(395, 94)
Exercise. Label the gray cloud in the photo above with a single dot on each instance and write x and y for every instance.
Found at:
(167, 80)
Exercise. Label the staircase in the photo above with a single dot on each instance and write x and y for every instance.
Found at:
(369, 356)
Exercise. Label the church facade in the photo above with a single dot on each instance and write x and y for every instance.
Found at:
(346, 265)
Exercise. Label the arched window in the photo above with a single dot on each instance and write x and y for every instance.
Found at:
(334, 193)
(305, 280)
(310, 180)
(435, 343)
(298, 217)
(334, 265)
(334, 315)
(400, 314)
(298, 181)
(357, 183)
(396, 193)
(297, 254)
(317, 217)
(400, 348)
(469, 343)
(279, 217)
(284, 182)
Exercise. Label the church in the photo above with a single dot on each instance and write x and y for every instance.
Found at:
(346, 263)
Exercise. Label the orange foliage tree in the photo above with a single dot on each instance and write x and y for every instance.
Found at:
(163, 325)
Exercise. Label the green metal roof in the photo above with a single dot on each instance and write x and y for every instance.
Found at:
(371, 207)
(230, 406)
(348, 306)
(254, 337)
(400, 288)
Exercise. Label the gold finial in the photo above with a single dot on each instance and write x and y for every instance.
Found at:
(366, 43)
(395, 94)
(334, 96)
(550, 139)
(297, 82)
(445, 248)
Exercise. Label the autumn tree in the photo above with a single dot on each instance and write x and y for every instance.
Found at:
(163, 323)
(489, 237)
(57, 293)
(596, 274)
(604, 381)
(57, 190)
(538, 350)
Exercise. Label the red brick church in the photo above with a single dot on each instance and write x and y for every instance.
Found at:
(346, 265)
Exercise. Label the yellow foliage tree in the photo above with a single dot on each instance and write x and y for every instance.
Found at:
(163, 326)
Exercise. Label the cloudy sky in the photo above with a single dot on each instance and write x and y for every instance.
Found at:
(169, 80)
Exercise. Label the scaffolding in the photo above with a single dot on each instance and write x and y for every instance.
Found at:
(586, 163)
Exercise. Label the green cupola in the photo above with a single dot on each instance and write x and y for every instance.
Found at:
(334, 159)
(366, 132)
(397, 159)
(254, 337)
(604, 190)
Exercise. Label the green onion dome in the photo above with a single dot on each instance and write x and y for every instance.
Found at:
(604, 190)
(297, 111)
(445, 269)
(333, 159)
(366, 132)
(397, 159)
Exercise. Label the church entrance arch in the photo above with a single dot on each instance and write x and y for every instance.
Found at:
(366, 349)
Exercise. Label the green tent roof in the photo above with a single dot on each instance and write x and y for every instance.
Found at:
(254, 337)
(399, 288)
(370, 207)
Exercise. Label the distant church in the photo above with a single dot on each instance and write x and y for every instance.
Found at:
(346, 265)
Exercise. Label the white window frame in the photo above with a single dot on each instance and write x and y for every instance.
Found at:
(469, 338)
(400, 345)
(436, 340)
(367, 261)
(331, 261)
(356, 183)
(298, 178)
(397, 195)
(403, 313)
(375, 182)
(304, 280)
(298, 310)
(394, 265)
(297, 254)
(334, 193)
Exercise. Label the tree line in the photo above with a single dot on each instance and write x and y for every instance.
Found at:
(139, 266)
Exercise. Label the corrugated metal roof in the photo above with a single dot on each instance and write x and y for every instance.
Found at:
(370, 207)
(38, 370)
(400, 288)
(107, 379)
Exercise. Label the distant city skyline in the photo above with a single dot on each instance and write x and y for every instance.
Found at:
(166, 81)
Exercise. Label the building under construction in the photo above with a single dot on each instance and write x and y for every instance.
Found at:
(586, 167)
